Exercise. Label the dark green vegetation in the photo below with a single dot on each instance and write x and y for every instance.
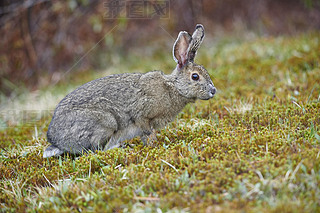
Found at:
(255, 147)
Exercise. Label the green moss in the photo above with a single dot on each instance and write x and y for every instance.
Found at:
(253, 148)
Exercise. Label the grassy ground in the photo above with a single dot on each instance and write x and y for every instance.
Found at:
(252, 148)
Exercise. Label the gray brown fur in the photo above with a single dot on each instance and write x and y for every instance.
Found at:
(102, 113)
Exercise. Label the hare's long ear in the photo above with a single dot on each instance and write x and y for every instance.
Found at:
(180, 48)
(197, 38)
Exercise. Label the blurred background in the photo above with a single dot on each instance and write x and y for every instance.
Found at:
(41, 39)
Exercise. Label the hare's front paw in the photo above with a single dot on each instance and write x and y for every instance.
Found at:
(149, 138)
(126, 145)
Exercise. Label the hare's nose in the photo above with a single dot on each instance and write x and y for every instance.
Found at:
(213, 90)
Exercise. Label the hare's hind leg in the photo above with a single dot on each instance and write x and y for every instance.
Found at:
(78, 132)
(95, 134)
(52, 151)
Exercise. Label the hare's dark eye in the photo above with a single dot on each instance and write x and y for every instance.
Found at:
(195, 76)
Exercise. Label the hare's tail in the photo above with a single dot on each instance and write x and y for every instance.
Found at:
(52, 151)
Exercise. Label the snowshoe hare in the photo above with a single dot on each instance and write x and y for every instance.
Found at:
(100, 114)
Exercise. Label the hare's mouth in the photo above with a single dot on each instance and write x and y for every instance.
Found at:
(210, 94)
(207, 98)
